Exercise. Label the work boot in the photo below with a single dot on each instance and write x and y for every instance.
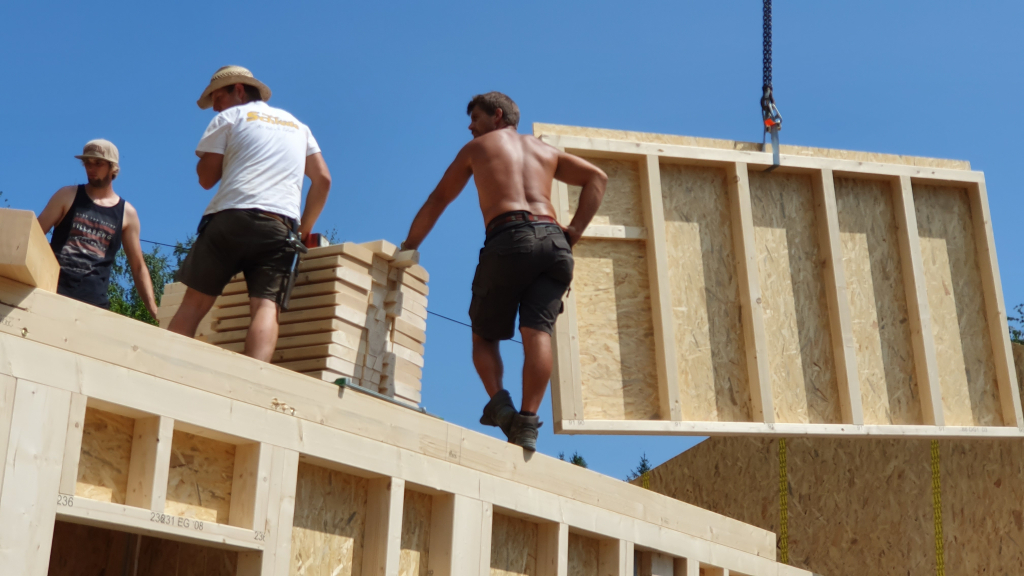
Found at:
(499, 412)
(524, 432)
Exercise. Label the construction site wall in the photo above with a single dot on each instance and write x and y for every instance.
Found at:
(130, 450)
(842, 293)
(857, 506)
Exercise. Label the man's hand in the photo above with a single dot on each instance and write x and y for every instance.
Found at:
(572, 235)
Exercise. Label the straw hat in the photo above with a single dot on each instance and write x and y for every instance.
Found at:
(227, 76)
(103, 150)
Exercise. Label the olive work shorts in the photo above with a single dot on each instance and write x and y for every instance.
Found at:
(525, 267)
(239, 241)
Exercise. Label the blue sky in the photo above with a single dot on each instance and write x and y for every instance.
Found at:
(383, 86)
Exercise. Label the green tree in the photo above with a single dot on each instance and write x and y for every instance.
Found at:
(1017, 324)
(6, 203)
(576, 459)
(124, 297)
(641, 469)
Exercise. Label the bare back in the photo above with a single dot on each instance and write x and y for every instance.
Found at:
(512, 172)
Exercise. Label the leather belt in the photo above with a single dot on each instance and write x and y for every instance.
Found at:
(517, 217)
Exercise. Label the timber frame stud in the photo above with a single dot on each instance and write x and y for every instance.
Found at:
(843, 294)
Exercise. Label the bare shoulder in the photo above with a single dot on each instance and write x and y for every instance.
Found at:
(131, 216)
(66, 194)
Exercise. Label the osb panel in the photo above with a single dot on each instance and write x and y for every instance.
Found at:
(621, 203)
(983, 506)
(513, 546)
(796, 317)
(584, 555)
(856, 506)
(158, 557)
(964, 350)
(861, 506)
(328, 528)
(199, 481)
(878, 302)
(712, 474)
(616, 333)
(106, 450)
(415, 534)
(705, 295)
(556, 129)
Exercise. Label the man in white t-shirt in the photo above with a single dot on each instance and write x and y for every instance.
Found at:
(259, 155)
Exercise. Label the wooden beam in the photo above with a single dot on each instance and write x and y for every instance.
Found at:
(25, 255)
(615, 558)
(995, 307)
(150, 463)
(844, 348)
(277, 535)
(88, 512)
(751, 312)
(382, 540)
(656, 564)
(249, 485)
(925, 360)
(73, 444)
(663, 428)
(7, 389)
(661, 290)
(725, 157)
(28, 495)
(615, 232)
(552, 549)
(405, 259)
(687, 567)
(566, 375)
(460, 536)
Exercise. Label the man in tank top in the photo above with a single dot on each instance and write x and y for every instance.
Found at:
(90, 224)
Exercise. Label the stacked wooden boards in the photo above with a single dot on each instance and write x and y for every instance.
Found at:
(229, 466)
(27, 257)
(842, 293)
(357, 311)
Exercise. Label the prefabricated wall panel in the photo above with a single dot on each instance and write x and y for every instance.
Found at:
(127, 445)
(841, 293)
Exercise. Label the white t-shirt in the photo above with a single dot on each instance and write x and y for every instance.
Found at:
(265, 151)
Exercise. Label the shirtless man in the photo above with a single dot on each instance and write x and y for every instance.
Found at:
(526, 264)
(91, 223)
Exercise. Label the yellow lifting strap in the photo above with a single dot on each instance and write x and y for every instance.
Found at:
(940, 554)
(783, 505)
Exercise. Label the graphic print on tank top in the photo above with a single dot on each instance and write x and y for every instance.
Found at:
(88, 242)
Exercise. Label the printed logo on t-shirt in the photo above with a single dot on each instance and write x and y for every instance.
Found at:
(87, 243)
(257, 117)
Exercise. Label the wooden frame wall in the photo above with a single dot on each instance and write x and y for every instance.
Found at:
(60, 358)
(989, 388)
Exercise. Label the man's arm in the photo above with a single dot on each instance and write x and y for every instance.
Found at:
(210, 168)
(316, 198)
(576, 171)
(447, 190)
(57, 208)
(133, 250)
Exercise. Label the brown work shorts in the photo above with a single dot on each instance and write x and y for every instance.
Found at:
(239, 241)
(524, 267)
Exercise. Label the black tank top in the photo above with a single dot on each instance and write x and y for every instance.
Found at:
(86, 242)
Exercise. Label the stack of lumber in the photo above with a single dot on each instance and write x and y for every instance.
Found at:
(357, 311)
